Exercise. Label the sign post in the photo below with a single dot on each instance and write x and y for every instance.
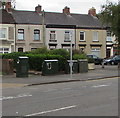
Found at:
(71, 63)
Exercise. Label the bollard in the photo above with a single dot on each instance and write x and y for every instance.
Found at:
(103, 65)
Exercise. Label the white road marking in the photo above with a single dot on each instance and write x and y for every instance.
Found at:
(13, 97)
(97, 86)
(44, 112)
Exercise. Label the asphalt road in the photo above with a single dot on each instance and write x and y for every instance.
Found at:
(87, 98)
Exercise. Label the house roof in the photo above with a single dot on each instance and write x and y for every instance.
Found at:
(27, 17)
(6, 18)
(52, 18)
(79, 20)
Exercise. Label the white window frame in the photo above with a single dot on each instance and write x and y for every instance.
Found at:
(3, 50)
(109, 36)
(95, 36)
(6, 33)
(36, 34)
(67, 36)
(21, 33)
(83, 32)
(52, 35)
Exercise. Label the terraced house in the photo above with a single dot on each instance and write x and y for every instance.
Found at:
(35, 29)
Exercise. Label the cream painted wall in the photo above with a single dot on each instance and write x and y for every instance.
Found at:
(29, 41)
(89, 40)
(9, 43)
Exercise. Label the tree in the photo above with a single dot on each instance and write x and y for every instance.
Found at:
(110, 16)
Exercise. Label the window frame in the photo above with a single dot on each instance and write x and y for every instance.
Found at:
(37, 33)
(52, 32)
(67, 36)
(22, 33)
(3, 51)
(6, 33)
(95, 36)
(83, 36)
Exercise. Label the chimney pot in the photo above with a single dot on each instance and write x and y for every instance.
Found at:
(66, 10)
(8, 6)
(38, 8)
(92, 11)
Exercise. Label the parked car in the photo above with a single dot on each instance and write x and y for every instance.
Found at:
(96, 59)
(113, 60)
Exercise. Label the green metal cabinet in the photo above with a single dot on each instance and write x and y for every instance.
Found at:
(83, 65)
(22, 67)
(74, 66)
(50, 67)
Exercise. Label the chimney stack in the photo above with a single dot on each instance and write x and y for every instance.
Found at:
(92, 11)
(8, 6)
(38, 8)
(66, 10)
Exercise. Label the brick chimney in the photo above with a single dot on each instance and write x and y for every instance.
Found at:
(92, 11)
(66, 10)
(38, 8)
(8, 6)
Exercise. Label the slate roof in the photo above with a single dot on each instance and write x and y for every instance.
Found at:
(6, 18)
(80, 20)
(27, 17)
(51, 18)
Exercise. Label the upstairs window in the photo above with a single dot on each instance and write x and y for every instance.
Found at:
(36, 34)
(108, 33)
(20, 34)
(109, 36)
(3, 33)
(67, 36)
(52, 35)
(95, 36)
(82, 36)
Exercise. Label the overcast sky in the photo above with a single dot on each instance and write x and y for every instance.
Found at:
(76, 6)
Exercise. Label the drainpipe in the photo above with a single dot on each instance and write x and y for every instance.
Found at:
(75, 38)
(43, 27)
(15, 39)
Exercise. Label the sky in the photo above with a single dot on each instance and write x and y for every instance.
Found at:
(76, 6)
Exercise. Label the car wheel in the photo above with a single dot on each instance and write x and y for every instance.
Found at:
(112, 63)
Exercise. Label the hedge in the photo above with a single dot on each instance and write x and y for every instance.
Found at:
(36, 60)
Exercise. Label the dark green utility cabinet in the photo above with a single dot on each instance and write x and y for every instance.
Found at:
(50, 67)
(74, 67)
(83, 66)
(22, 67)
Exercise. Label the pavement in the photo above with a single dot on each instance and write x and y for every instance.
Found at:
(9, 81)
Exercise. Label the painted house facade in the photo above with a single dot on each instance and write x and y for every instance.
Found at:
(7, 33)
(36, 29)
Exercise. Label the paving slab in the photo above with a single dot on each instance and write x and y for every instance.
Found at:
(98, 73)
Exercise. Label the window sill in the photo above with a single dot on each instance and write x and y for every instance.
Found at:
(52, 40)
(95, 41)
(67, 40)
(20, 40)
(36, 40)
(82, 41)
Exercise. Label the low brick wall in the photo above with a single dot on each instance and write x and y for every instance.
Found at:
(6, 66)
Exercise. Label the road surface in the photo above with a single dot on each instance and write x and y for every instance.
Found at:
(85, 98)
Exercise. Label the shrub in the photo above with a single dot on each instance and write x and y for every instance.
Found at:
(14, 56)
(35, 61)
(61, 52)
(79, 56)
(43, 50)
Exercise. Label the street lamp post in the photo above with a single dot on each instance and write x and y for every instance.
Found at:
(71, 63)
